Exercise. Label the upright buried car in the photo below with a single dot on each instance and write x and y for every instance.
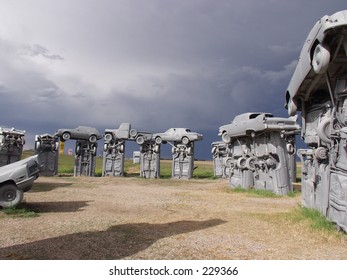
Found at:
(16, 178)
(79, 133)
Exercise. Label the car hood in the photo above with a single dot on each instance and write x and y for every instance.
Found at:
(11, 166)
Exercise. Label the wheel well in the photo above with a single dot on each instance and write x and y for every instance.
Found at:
(313, 47)
(7, 182)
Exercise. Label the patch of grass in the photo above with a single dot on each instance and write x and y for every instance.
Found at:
(254, 192)
(315, 219)
(294, 193)
(19, 212)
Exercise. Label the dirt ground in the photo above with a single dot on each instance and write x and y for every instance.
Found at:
(134, 218)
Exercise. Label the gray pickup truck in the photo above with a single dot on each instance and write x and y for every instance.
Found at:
(16, 178)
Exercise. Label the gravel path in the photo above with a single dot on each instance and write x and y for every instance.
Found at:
(133, 218)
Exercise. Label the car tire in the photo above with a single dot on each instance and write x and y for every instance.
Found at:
(241, 163)
(10, 195)
(133, 133)
(323, 130)
(108, 137)
(320, 59)
(38, 146)
(290, 149)
(66, 136)
(185, 140)
(94, 150)
(158, 140)
(92, 138)
(250, 163)
(250, 133)
(78, 150)
(140, 140)
(156, 149)
(226, 138)
(105, 147)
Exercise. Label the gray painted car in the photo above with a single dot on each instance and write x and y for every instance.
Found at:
(16, 178)
(79, 133)
(125, 132)
(183, 135)
(324, 49)
(252, 123)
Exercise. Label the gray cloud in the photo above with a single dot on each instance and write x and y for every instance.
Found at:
(38, 50)
(156, 64)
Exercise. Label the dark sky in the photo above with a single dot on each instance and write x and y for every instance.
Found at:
(155, 64)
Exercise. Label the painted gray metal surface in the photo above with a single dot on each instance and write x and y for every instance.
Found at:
(85, 158)
(178, 135)
(16, 178)
(318, 89)
(11, 145)
(220, 152)
(261, 149)
(182, 141)
(114, 148)
(47, 150)
(79, 133)
(183, 161)
(150, 159)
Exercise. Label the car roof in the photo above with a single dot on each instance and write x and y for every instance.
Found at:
(251, 115)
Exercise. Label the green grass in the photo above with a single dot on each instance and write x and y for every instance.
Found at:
(202, 169)
(315, 219)
(19, 212)
(254, 192)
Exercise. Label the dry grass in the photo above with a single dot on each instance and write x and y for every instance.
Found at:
(133, 218)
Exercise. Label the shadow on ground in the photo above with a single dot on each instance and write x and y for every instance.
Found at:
(55, 206)
(46, 187)
(117, 242)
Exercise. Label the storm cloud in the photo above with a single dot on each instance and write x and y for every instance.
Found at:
(156, 64)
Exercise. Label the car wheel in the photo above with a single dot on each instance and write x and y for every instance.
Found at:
(66, 136)
(105, 147)
(140, 140)
(93, 150)
(250, 163)
(10, 195)
(108, 137)
(228, 161)
(251, 133)
(133, 133)
(323, 130)
(156, 149)
(158, 140)
(226, 138)
(290, 149)
(320, 59)
(241, 163)
(78, 150)
(37, 146)
(121, 148)
(185, 140)
(92, 138)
